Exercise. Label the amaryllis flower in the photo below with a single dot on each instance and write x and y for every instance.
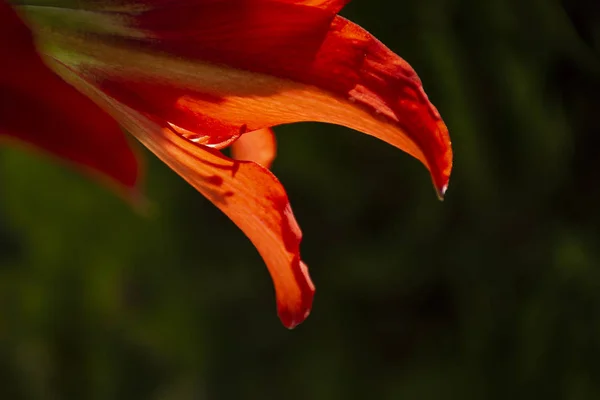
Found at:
(191, 77)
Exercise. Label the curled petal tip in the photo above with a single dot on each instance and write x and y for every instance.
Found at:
(290, 320)
(440, 166)
(293, 309)
(441, 191)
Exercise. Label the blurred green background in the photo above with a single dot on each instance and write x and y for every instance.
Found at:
(492, 294)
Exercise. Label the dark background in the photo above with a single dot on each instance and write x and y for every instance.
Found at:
(492, 294)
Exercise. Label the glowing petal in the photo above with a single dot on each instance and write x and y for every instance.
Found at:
(249, 194)
(225, 67)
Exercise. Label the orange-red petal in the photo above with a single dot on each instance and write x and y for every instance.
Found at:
(304, 41)
(259, 146)
(39, 108)
(221, 68)
(254, 200)
(249, 194)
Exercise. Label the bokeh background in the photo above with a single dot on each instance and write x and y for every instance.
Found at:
(492, 294)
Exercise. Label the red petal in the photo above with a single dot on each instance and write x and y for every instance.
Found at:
(39, 108)
(301, 42)
(246, 192)
(258, 146)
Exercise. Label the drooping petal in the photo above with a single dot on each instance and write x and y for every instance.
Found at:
(249, 194)
(255, 201)
(225, 67)
(39, 108)
(258, 146)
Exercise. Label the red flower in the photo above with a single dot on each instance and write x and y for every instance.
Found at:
(188, 78)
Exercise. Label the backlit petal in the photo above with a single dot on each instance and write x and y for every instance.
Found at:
(255, 201)
(306, 44)
(37, 107)
(249, 194)
(258, 146)
(225, 67)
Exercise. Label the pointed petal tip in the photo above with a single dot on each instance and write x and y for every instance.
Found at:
(441, 191)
